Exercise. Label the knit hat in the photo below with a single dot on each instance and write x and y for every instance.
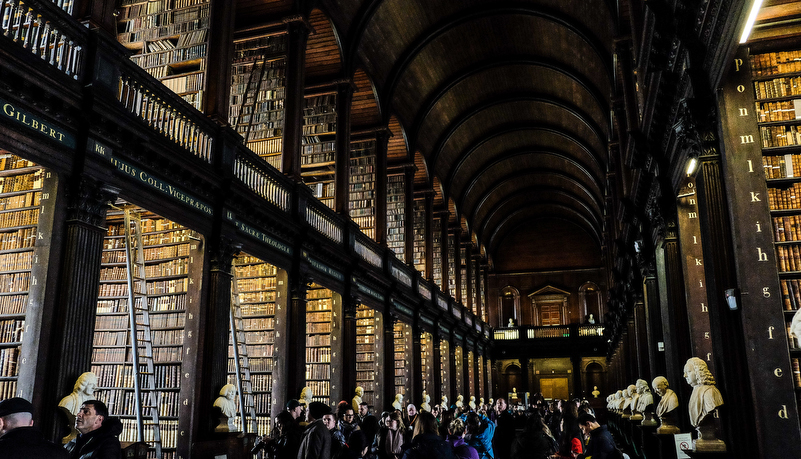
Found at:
(319, 409)
(15, 405)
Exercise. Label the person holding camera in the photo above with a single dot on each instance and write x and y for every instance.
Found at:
(286, 439)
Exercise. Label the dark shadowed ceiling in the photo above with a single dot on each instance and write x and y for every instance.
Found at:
(503, 106)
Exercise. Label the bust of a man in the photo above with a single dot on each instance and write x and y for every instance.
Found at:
(398, 403)
(621, 400)
(426, 406)
(795, 326)
(306, 397)
(481, 402)
(444, 403)
(511, 323)
(357, 398)
(459, 401)
(472, 403)
(667, 406)
(705, 397)
(226, 402)
(83, 390)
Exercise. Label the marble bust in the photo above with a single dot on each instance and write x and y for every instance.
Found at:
(595, 392)
(628, 400)
(84, 389)
(306, 397)
(645, 402)
(472, 403)
(357, 398)
(226, 402)
(621, 401)
(511, 323)
(398, 403)
(795, 326)
(703, 404)
(459, 401)
(666, 410)
(444, 403)
(426, 406)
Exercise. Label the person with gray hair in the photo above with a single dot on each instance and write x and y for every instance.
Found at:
(19, 439)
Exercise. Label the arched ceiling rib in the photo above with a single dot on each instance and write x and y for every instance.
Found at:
(504, 105)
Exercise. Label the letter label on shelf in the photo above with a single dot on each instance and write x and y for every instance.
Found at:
(746, 139)
(692, 214)
(750, 166)
(778, 372)
(759, 227)
(704, 308)
(698, 262)
(743, 111)
(783, 412)
(755, 197)
(766, 292)
(737, 63)
(762, 256)
(770, 331)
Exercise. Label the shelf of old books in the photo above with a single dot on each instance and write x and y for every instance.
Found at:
(368, 324)
(318, 151)
(777, 91)
(258, 92)
(361, 192)
(436, 243)
(471, 374)
(458, 367)
(396, 215)
(419, 243)
(254, 325)
(481, 295)
(170, 41)
(452, 265)
(402, 344)
(27, 194)
(427, 361)
(164, 267)
(319, 329)
(465, 290)
(445, 370)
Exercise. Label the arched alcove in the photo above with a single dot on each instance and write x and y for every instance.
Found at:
(508, 307)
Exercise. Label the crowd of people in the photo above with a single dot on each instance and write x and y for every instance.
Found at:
(544, 430)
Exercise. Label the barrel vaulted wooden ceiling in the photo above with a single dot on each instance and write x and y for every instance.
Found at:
(503, 106)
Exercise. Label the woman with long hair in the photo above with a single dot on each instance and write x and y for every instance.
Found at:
(536, 441)
(390, 438)
(426, 442)
(571, 443)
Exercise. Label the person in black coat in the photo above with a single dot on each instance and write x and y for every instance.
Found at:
(18, 438)
(601, 444)
(426, 442)
(316, 442)
(98, 433)
(286, 440)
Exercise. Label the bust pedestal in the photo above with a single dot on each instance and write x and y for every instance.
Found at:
(707, 439)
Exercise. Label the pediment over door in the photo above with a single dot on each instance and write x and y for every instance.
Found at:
(549, 306)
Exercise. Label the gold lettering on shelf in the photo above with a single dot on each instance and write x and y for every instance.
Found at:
(743, 111)
(186, 375)
(704, 308)
(759, 227)
(766, 292)
(770, 331)
(783, 412)
(698, 262)
(778, 372)
(695, 239)
(708, 356)
(700, 283)
(706, 335)
(692, 201)
(186, 402)
(740, 88)
(692, 214)
(737, 63)
(755, 197)
(750, 166)
(746, 139)
(762, 256)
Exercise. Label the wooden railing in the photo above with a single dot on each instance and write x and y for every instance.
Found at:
(262, 179)
(551, 332)
(46, 31)
(323, 219)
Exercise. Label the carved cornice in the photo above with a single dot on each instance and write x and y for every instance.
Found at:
(223, 253)
(89, 200)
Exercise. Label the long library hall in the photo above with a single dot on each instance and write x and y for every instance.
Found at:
(525, 228)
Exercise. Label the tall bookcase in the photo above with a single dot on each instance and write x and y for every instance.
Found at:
(777, 91)
(318, 153)
(170, 39)
(464, 277)
(427, 361)
(172, 261)
(482, 295)
(459, 371)
(474, 286)
(367, 351)
(256, 287)
(471, 374)
(361, 193)
(396, 215)
(445, 369)
(419, 244)
(402, 345)
(452, 265)
(27, 199)
(258, 92)
(436, 243)
(319, 330)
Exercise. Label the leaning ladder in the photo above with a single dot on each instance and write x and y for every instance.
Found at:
(244, 385)
(144, 379)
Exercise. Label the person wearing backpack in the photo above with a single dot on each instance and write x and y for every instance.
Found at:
(601, 444)
(535, 442)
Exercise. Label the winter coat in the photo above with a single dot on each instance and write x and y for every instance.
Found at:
(28, 443)
(601, 445)
(462, 450)
(428, 446)
(483, 441)
(98, 444)
(316, 443)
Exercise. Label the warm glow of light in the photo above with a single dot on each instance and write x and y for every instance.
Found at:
(751, 19)
(692, 164)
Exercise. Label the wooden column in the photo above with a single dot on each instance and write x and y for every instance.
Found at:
(389, 360)
(436, 381)
(97, 14)
(429, 235)
(408, 175)
(294, 102)
(416, 365)
(215, 334)
(348, 357)
(342, 178)
(281, 346)
(468, 274)
(74, 319)
(443, 227)
(381, 142)
(216, 98)
(457, 262)
(653, 323)
(296, 339)
(452, 371)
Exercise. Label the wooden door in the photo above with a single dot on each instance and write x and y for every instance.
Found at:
(554, 388)
(550, 314)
